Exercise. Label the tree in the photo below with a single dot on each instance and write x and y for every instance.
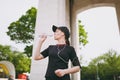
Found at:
(112, 61)
(20, 60)
(107, 66)
(5, 53)
(82, 34)
(28, 50)
(23, 29)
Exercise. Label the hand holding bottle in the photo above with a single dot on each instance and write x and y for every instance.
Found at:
(43, 38)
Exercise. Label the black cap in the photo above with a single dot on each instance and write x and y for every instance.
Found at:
(64, 29)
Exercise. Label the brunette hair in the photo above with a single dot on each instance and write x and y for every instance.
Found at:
(67, 42)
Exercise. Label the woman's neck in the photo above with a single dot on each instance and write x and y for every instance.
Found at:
(62, 41)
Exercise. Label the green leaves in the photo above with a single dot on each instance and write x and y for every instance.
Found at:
(5, 53)
(82, 34)
(28, 50)
(22, 30)
(20, 60)
(108, 66)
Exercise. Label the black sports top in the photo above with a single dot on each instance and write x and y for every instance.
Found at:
(59, 56)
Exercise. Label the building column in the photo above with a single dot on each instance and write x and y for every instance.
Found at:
(117, 6)
(74, 35)
(50, 12)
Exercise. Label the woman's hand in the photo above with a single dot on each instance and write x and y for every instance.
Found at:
(60, 72)
(43, 38)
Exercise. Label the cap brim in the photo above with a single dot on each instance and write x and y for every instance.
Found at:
(54, 28)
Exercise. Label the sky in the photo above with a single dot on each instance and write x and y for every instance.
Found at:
(10, 11)
(103, 33)
(100, 23)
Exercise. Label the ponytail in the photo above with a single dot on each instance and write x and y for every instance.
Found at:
(67, 42)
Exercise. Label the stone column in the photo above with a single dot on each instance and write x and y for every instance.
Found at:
(117, 6)
(74, 35)
(49, 12)
(75, 43)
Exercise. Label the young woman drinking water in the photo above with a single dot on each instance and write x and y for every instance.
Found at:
(58, 55)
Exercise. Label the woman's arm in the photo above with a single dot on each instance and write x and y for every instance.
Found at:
(37, 54)
(62, 72)
(72, 70)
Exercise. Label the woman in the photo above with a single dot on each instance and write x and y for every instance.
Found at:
(59, 55)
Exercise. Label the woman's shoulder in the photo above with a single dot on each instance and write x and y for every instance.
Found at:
(70, 47)
(50, 46)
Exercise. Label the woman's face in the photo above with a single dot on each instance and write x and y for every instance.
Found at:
(58, 34)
